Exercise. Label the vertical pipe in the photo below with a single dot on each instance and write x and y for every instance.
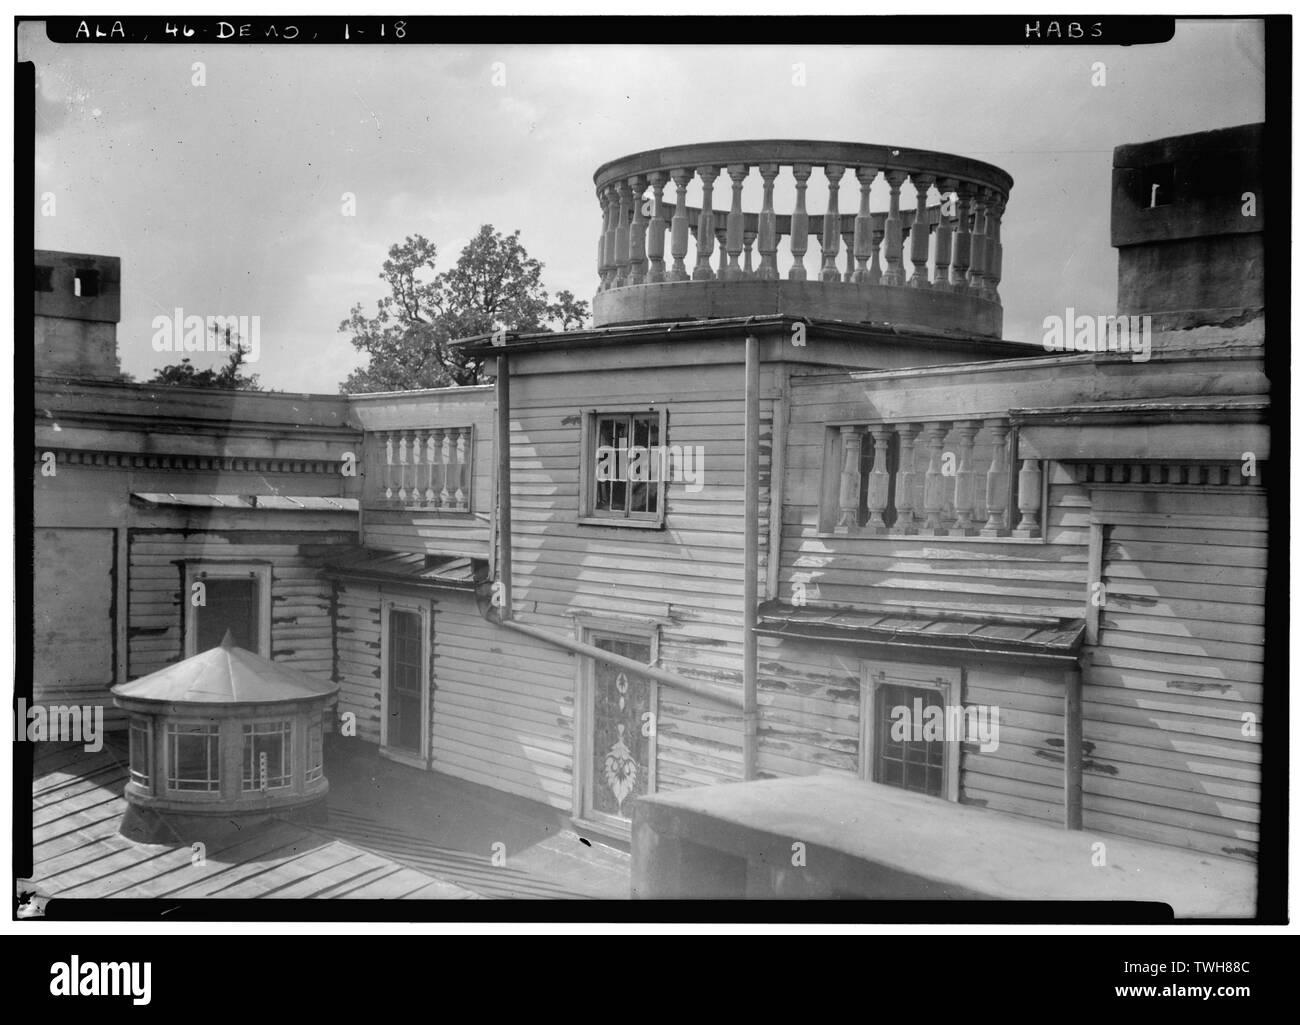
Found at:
(503, 484)
(1073, 749)
(750, 706)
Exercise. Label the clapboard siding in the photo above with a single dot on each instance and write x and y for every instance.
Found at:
(503, 705)
(301, 601)
(687, 577)
(810, 703)
(1178, 669)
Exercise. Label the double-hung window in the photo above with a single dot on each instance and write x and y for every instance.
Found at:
(624, 469)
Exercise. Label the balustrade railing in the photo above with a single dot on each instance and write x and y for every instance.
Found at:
(938, 478)
(948, 240)
(428, 469)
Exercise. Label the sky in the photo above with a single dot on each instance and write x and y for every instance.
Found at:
(227, 197)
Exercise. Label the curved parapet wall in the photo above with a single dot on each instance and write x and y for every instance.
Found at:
(935, 264)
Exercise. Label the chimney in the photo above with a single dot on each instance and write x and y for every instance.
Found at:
(1187, 216)
(77, 307)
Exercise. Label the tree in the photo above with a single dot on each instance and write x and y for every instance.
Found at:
(229, 377)
(494, 285)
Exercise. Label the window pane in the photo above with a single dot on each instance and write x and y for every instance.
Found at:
(911, 762)
(644, 468)
(611, 464)
(193, 760)
(315, 749)
(272, 740)
(232, 605)
(140, 768)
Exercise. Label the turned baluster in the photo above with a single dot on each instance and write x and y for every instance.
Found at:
(799, 223)
(401, 467)
(894, 274)
(961, 239)
(850, 479)
(878, 482)
(462, 481)
(993, 257)
(388, 466)
(943, 234)
(997, 487)
(862, 224)
(621, 239)
(724, 257)
(654, 246)
(1029, 489)
(831, 223)
(921, 232)
(444, 451)
(767, 240)
(611, 236)
(681, 226)
(704, 230)
(636, 232)
(905, 480)
(934, 483)
(736, 219)
(963, 501)
(417, 461)
(877, 237)
(432, 454)
(975, 278)
(602, 244)
(747, 271)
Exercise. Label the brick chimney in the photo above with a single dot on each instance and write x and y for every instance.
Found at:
(77, 307)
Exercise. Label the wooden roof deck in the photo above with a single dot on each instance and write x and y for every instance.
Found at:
(78, 852)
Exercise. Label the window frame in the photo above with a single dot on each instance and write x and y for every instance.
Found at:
(946, 680)
(141, 724)
(314, 749)
(249, 730)
(200, 570)
(172, 730)
(587, 512)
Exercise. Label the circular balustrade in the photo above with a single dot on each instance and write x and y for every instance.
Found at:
(934, 265)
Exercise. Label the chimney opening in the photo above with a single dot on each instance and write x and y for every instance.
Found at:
(85, 284)
(1158, 185)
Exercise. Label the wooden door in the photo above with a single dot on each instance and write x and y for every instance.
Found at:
(405, 680)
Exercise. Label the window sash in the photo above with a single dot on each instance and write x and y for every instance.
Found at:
(276, 740)
(315, 749)
(201, 737)
(624, 466)
(140, 756)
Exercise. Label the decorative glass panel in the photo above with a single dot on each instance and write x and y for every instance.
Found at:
(620, 750)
